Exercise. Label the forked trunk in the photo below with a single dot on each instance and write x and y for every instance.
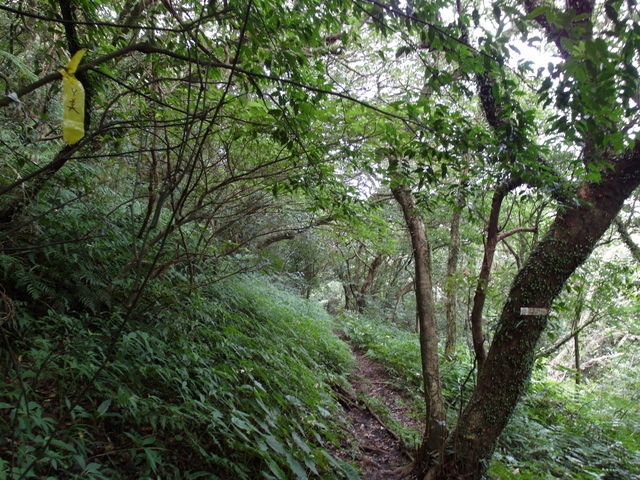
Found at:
(510, 359)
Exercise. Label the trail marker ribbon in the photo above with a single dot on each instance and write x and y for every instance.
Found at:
(72, 101)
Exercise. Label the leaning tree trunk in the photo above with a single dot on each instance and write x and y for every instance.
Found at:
(504, 378)
(626, 238)
(436, 431)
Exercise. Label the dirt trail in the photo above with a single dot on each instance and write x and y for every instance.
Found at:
(382, 455)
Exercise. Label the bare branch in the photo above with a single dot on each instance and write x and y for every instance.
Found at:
(504, 235)
(554, 348)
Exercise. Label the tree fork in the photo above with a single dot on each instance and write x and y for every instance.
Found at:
(505, 376)
(491, 242)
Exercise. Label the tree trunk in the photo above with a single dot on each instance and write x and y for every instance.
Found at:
(436, 430)
(452, 268)
(365, 288)
(348, 296)
(507, 369)
(493, 229)
(576, 357)
(403, 291)
(626, 238)
(575, 324)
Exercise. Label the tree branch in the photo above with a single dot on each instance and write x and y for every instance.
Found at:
(479, 298)
(626, 238)
(554, 348)
(554, 33)
(504, 235)
(293, 233)
(148, 48)
(23, 13)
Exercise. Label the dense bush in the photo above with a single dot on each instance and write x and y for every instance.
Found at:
(557, 432)
(567, 432)
(158, 371)
(232, 383)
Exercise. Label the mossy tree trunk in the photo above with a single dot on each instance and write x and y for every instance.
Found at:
(507, 369)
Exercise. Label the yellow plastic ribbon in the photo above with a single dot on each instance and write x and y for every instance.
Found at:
(72, 101)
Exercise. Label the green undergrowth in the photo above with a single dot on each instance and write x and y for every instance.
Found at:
(399, 351)
(234, 382)
(557, 432)
(564, 432)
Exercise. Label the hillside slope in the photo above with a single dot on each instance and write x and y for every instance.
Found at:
(233, 382)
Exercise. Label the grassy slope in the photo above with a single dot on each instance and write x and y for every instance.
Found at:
(234, 382)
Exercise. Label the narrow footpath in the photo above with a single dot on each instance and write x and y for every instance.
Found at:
(382, 454)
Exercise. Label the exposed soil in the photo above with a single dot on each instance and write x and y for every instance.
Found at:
(382, 454)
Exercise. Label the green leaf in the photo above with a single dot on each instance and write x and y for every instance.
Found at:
(275, 444)
(537, 12)
(64, 445)
(403, 50)
(103, 407)
(297, 468)
(301, 443)
(152, 458)
(238, 422)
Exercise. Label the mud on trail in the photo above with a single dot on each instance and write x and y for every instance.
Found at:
(382, 455)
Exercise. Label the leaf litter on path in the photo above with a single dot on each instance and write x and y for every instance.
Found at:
(382, 455)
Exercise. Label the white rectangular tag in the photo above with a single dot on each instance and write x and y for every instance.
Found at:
(530, 311)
